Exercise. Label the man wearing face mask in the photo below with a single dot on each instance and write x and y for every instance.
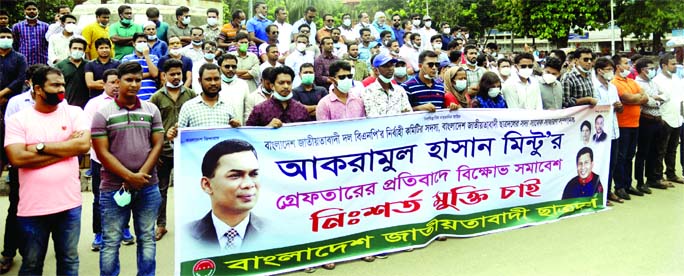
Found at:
(175, 52)
(309, 93)
(473, 71)
(427, 31)
(149, 64)
(46, 155)
(348, 33)
(400, 75)
(256, 26)
(383, 97)
(211, 29)
(504, 69)
(280, 108)
(58, 26)
(300, 55)
(410, 49)
(182, 28)
(425, 92)
(58, 45)
(340, 104)
(522, 91)
(194, 50)
(169, 100)
(550, 88)
(261, 94)
(158, 47)
(96, 30)
(233, 88)
(436, 45)
(578, 88)
(248, 63)
(669, 87)
(152, 14)
(73, 68)
(29, 36)
(209, 56)
(121, 33)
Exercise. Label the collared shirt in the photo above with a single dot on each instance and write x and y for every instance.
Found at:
(180, 32)
(551, 94)
(575, 86)
(92, 33)
(420, 93)
(249, 62)
(195, 54)
(58, 47)
(234, 94)
(607, 95)
(196, 85)
(196, 113)
(159, 48)
(254, 98)
(359, 67)
(149, 85)
(349, 34)
(629, 117)
(187, 66)
(323, 32)
(378, 102)
(410, 54)
(281, 51)
(97, 68)
(162, 31)
(258, 26)
(30, 41)
(312, 27)
(321, 68)
(18, 103)
(311, 97)
(222, 229)
(284, 36)
(211, 33)
(266, 64)
(525, 95)
(365, 51)
(169, 110)
(297, 58)
(331, 107)
(228, 32)
(473, 76)
(379, 29)
(12, 72)
(263, 113)
(90, 109)
(117, 29)
(77, 92)
(652, 107)
(399, 36)
(339, 49)
(670, 89)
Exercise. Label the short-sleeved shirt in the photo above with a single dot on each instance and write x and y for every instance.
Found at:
(129, 133)
(149, 85)
(309, 97)
(228, 32)
(159, 49)
(379, 102)
(117, 29)
(77, 92)
(53, 188)
(331, 108)
(270, 109)
(97, 68)
(90, 109)
(196, 113)
(552, 95)
(177, 31)
(211, 33)
(258, 27)
(419, 93)
(92, 33)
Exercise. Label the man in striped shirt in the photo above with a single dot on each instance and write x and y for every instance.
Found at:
(424, 90)
(29, 35)
(148, 62)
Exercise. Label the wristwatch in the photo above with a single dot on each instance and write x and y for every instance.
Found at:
(40, 147)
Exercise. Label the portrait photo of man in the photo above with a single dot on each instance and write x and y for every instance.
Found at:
(230, 176)
(586, 183)
(585, 129)
(600, 135)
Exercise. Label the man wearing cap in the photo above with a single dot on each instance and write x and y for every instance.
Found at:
(383, 97)
(424, 90)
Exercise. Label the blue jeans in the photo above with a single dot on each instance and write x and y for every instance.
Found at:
(627, 144)
(95, 171)
(145, 207)
(65, 228)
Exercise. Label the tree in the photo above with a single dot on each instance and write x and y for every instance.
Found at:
(645, 17)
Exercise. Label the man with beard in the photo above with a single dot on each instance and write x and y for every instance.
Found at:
(280, 108)
(208, 110)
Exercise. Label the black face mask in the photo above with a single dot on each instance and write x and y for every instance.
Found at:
(53, 98)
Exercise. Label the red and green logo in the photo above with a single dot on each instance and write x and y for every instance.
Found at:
(204, 267)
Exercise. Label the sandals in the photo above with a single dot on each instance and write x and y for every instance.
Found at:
(161, 231)
(329, 266)
(613, 197)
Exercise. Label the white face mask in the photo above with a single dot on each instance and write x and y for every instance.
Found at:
(186, 20)
(301, 47)
(437, 46)
(525, 72)
(446, 31)
(346, 22)
(212, 21)
(494, 92)
(608, 76)
(428, 24)
(460, 85)
(175, 52)
(505, 71)
(141, 46)
(548, 78)
(170, 85)
(624, 73)
(416, 22)
(70, 28)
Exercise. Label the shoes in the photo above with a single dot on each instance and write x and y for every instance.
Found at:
(88, 173)
(310, 270)
(97, 243)
(622, 194)
(128, 239)
(609, 203)
(369, 258)
(442, 238)
(669, 184)
(658, 184)
(613, 197)
(161, 231)
(676, 179)
(382, 256)
(644, 189)
(6, 264)
(329, 266)
(633, 191)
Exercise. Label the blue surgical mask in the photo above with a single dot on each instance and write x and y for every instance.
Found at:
(282, 98)
(227, 79)
(6, 43)
(651, 73)
(344, 85)
(209, 56)
(122, 197)
(400, 71)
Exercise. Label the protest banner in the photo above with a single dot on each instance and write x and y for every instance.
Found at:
(324, 192)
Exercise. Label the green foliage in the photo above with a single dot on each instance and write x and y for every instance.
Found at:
(46, 9)
(643, 17)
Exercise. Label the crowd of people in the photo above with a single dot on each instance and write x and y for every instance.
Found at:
(121, 91)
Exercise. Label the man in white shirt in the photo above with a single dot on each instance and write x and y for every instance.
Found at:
(670, 88)
(234, 90)
(521, 90)
(284, 29)
(58, 44)
(308, 19)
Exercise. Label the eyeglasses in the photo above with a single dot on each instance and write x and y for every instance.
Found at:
(426, 20)
(275, 33)
(396, 20)
(342, 77)
(587, 59)
(432, 64)
(329, 20)
(523, 66)
(305, 32)
(230, 66)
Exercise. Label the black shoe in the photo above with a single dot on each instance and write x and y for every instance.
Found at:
(676, 179)
(621, 193)
(633, 191)
(656, 184)
(644, 189)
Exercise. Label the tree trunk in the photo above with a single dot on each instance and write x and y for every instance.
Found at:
(657, 43)
(561, 42)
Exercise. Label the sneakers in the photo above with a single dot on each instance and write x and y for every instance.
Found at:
(128, 239)
(97, 243)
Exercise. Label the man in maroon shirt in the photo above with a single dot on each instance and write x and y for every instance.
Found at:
(280, 108)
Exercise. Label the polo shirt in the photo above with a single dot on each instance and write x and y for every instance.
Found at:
(331, 108)
(169, 110)
(228, 32)
(148, 85)
(97, 68)
(117, 29)
(419, 93)
(92, 33)
(128, 132)
(258, 26)
(77, 92)
(162, 30)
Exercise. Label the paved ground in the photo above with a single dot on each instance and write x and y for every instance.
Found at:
(644, 236)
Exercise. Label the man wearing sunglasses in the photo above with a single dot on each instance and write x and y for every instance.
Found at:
(522, 91)
(257, 25)
(425, 92)
(578, 89)
(308, 19)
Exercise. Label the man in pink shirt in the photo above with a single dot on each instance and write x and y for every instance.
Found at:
(340, 104)
(44, 142)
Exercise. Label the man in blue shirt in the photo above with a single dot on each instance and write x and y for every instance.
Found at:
(149, 64)
(257, 25)
(425, 91)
